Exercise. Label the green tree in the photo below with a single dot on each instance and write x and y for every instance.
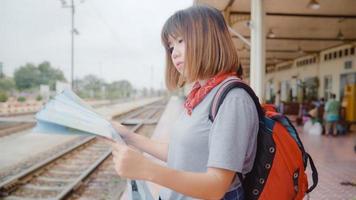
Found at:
(21, 99)
(119, 89)
(94, 85)
(27, 77)
(49, 75)
(3, 96)
(7, 84)
(30, 76)
(79, 88)
(39, 98)
(90, 87)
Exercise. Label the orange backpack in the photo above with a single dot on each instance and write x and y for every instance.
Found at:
(278, 172)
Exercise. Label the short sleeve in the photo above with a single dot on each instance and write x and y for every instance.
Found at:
(233, 135)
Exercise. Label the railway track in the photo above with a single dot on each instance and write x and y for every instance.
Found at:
(83, 171)
(10, 128)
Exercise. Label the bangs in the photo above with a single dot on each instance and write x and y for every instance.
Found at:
(172, 28)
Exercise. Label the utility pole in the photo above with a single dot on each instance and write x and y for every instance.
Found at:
(73, 31)
(72, 37)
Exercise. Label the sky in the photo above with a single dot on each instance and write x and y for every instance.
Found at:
(118, 39)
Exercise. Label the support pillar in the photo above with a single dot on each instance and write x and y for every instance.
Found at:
(258, 51)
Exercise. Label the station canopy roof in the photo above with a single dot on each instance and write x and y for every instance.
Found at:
(293, 28)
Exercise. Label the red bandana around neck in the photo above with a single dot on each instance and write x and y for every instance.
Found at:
(198, 92)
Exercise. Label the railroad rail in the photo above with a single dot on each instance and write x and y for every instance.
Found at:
(7, 128)
(80, 170)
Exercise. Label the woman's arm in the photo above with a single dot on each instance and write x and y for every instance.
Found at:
(155, 148)
(211, 184)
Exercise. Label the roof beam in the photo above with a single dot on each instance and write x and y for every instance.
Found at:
(229, 4)
(304, 39)
(288, 51)
(281, 50)
(327, 16)
(267, 58)
(313, 39)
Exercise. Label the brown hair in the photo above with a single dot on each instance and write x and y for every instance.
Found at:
(209, 48)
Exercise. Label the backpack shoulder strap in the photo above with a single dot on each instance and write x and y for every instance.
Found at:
(225, 89)
(221, 94)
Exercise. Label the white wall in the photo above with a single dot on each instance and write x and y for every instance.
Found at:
(320, 69)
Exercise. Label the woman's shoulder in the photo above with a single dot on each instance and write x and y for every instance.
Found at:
(235, 93)
(239, 94)
(238, 103)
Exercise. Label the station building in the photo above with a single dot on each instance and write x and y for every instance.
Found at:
(302, 50)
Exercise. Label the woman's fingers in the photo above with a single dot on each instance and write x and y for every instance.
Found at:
(121, 129)
(127, 162)
(118, 146)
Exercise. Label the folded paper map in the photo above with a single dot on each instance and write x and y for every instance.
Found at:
(66, 113)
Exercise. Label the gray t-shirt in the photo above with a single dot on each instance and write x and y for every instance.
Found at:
(228, 143)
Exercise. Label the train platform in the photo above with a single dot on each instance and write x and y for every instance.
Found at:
(23, 145)
(334, 157)
(335, 160)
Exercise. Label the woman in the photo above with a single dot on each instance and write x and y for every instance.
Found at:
(202, 157)
(332, 109)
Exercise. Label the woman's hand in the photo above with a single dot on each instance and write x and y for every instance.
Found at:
(157, 149)
(128, 163)
(131, 164)
(124, 132)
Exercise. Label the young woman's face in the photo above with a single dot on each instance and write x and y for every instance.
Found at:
(177, 49)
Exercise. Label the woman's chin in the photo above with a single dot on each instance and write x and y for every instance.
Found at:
(180, 70)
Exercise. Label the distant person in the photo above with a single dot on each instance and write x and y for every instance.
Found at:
(343, 125)
(321, 113)
(203, 157)
(277, 101)
(332, 108)
(320, 107)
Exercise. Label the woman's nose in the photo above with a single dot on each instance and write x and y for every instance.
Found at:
(175, 53)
